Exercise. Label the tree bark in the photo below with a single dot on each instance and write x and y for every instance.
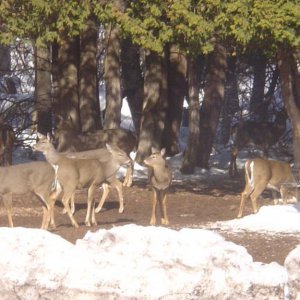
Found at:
(112, 77)
(67, 76)
(191, 151)
(258, 88)
(5, 61)
(154, 106)
(88, 84)
(133, 83)
(43, 97)
(212, 104)
(177, 90)
(285, 64)
(231, 100)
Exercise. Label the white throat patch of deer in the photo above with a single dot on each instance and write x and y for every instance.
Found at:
(78, 173)
(160, 178)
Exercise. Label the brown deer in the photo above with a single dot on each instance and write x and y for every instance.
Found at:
(7, 139)
(160, 179)
(261, 174)
(103, 155)
(262, 134)
(74, 173)
(70, 140)
(33, 177)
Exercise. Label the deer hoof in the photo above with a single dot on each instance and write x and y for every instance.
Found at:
(164, 221)
(97, 210)
(152, 222)
(121, 210)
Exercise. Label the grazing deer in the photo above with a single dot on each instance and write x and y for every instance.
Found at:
(160, 179)
(70, 140)
(7, 139)
(262, 134)
(33, 177)
(75, 173)
(261, 174)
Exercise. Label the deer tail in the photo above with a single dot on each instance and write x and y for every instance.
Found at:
(249, 165)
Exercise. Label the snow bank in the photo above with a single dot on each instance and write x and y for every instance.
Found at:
(132, 262)
(272, 219)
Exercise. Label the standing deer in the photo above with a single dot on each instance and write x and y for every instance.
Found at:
(70, 140)
(103, 155)
(33, 177)
(262, 134)
(75, 173)
(7, 139)
(160, 179)
(261, 174)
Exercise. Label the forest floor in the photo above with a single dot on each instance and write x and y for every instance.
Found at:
(190, 204)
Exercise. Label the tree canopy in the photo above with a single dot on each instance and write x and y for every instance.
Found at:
(192, 25)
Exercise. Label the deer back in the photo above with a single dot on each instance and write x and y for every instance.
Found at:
(264, 134)
(27, 177)
(70, 140)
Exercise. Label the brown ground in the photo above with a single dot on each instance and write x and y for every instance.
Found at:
(190, 204)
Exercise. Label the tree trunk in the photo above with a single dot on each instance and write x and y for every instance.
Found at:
(112, 77)
(258, 88)
(154, 107)
(88, 84)
(43, 97)
(191, 151)
(285, 64)
(4, 60)
(133, 84)
(212, 104)
(177, 90)
(67, 75)
(231, 101)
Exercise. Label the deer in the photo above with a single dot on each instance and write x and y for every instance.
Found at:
(7, 139)
(103, 155)
(69, 140)
(33, 177)
(75, 173)
(160, 178)
(260, 174)
(262, 134)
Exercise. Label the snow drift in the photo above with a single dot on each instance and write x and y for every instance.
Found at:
(134, 262)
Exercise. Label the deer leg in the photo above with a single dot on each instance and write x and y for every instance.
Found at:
(72, 205)
(163, 207)
(7, 201)
(103, 198)
(233, 166)
(255, 194)
(90, 214)
(65, 201)
(128, 178)
(154, 203)
(119, 187)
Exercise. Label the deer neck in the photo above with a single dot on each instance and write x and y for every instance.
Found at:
(161, 177)
(52, 156)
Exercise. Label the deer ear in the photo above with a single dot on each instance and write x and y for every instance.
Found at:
(108, 147)
(40, 136)
(49, 137)
(154, 150)
(163, 151)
